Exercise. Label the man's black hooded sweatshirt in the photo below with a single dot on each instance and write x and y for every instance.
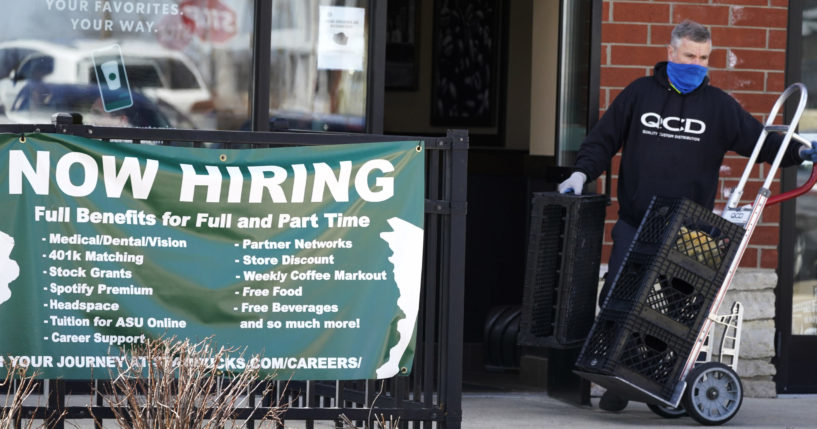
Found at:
(672, 144)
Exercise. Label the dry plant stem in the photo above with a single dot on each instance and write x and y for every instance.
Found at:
(172, 384)
(11, 416)
(380, 419)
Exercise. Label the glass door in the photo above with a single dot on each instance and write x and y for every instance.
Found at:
(797, 295)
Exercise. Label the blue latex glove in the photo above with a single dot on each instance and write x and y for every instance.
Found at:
(573, 183)
(809, 153)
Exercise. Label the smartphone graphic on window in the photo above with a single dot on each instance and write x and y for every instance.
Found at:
(111, 78)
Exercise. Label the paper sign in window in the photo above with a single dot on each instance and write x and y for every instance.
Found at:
(341, 38)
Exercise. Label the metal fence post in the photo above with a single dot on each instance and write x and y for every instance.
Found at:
(456, 278)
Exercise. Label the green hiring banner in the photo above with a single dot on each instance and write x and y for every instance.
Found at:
(308, 259)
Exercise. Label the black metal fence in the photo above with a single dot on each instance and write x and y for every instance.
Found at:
(429, 397)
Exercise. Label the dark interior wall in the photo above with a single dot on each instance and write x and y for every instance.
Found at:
(501, 184)
(495, 235)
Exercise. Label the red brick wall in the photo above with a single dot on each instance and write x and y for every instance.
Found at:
(748, 61)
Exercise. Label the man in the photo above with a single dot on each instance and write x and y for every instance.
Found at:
(674, 130)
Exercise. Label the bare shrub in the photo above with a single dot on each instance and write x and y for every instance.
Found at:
(173, 384)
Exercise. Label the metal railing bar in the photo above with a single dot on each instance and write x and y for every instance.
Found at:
(430, 281)
(430, 316)
(354, 413)
(263, 139)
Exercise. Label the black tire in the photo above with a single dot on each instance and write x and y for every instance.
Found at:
(500, 336)
(713, 394)
(667, 412)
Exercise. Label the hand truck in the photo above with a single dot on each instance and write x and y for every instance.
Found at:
(711, 392)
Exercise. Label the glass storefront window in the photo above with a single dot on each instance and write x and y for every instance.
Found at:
(318, 59)
(158, 63)
(804, 298)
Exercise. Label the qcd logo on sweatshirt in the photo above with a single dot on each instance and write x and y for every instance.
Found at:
(673, 123)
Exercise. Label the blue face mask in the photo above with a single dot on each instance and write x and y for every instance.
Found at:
(685, 77)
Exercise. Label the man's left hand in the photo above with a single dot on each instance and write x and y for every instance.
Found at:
(809, 153)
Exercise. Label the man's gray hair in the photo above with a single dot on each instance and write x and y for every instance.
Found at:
(690, 30)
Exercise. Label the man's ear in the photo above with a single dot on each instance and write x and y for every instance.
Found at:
(669, 52)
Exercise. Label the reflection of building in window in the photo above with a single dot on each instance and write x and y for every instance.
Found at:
(287, 15)
(804, 308)
(808, 121)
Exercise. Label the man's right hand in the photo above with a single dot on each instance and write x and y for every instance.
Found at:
(573, 183)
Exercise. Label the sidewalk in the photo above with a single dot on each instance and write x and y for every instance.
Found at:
(535, 409)
(495, 400)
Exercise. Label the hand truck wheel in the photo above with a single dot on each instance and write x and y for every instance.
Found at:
(667, 412)
(713, 394)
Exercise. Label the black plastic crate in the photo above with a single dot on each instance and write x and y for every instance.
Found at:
(689, 235)
(664, 292)
(561, 276)
(627, 346)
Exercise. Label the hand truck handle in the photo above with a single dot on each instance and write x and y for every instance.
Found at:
(734, 199)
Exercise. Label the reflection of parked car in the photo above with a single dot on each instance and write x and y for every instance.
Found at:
(37, 101)
(11, 56)
(159, 74)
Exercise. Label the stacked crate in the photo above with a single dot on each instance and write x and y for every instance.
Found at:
(562, 270)
(662, 295)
